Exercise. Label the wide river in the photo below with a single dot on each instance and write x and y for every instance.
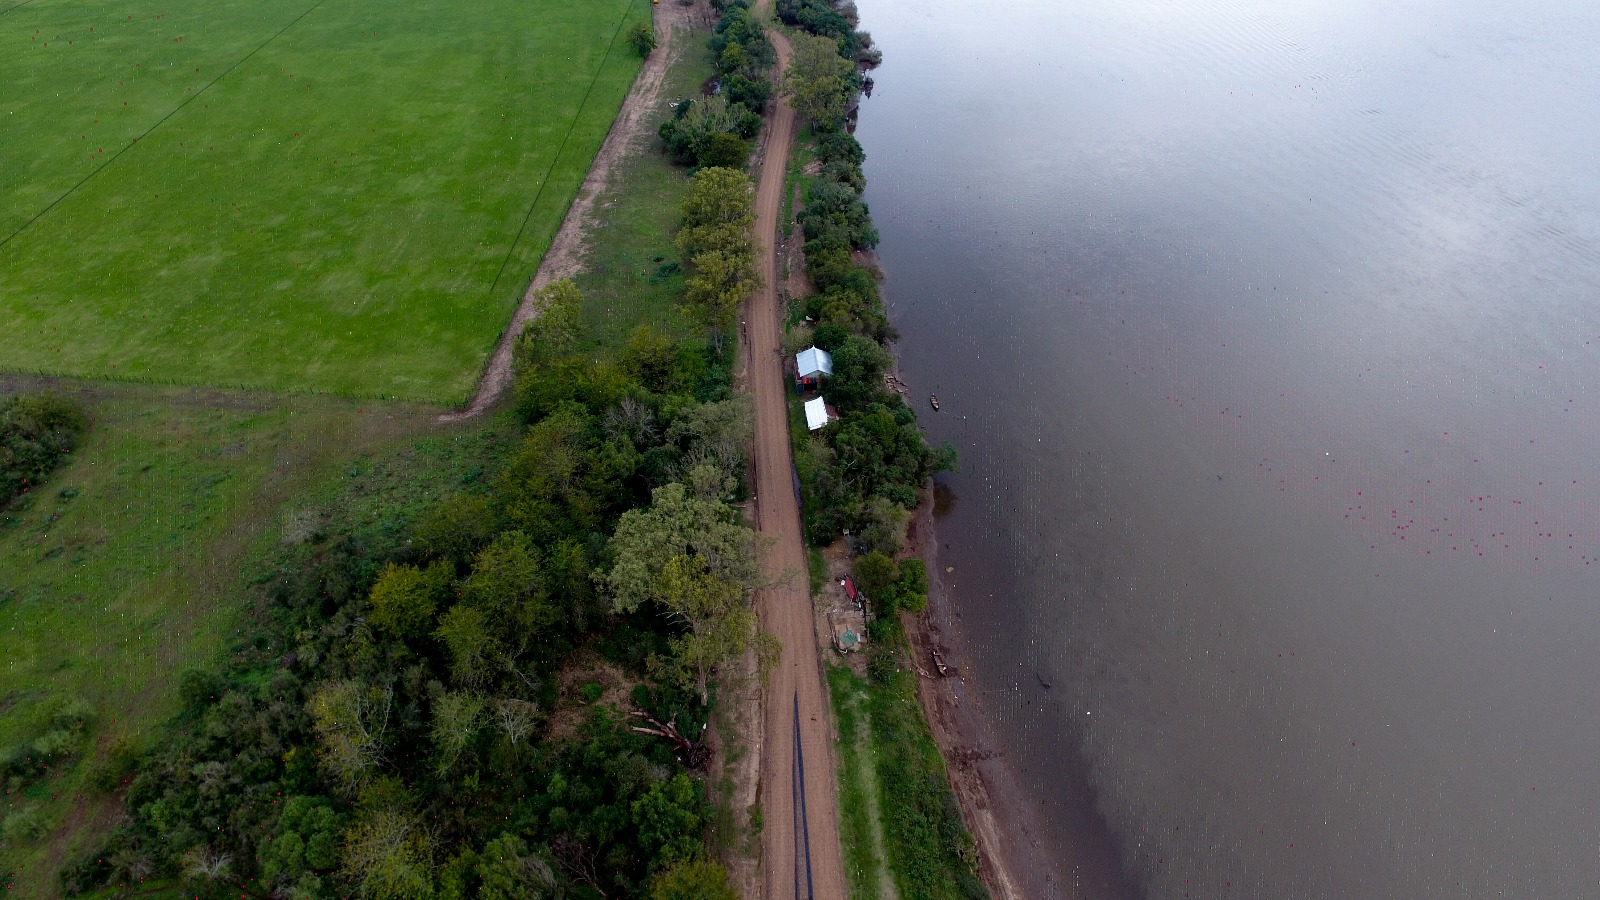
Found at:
(1269, 333)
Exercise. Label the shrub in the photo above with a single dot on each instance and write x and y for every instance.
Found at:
(642, 38)
(882, 662)
(750, 93)
(701, 880)
(36, 431)
(113, 769)
(405, 598)
(22, 824)
(726, 150)
(913, 585)
(876, 574)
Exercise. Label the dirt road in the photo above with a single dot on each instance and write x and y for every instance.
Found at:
(799, 803)
(564, 258)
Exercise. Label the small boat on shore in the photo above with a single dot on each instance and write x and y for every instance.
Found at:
(939, 664)
(933, 400)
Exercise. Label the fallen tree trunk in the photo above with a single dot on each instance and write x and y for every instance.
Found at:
(693, 754)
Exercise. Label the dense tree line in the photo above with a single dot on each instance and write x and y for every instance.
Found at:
(861, 473)
(718, 212)
(386, 729)
(834, 20)
(36, 432)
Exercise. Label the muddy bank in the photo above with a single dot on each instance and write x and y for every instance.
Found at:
(1013, 858)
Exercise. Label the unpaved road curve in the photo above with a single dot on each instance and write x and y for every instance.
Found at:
(564, 258)
(797, 713)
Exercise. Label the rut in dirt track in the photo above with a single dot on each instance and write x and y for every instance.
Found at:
(800, 818)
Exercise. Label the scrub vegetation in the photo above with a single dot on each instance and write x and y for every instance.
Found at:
(429, 692)
(119, 572)
(291, 195)
(37, 432)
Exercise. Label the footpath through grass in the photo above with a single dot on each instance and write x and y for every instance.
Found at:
(890, 770)
(860, 818)
(343, 196)
(122, 571)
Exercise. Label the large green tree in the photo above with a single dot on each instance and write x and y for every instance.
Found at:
(405, 597)
(819, 82)
(388, 855)
(718, 283)
(676, 523)
(718, 196)
(303, 844)
(698, 880)
(554, 329)
(715, 433)
(509, 871)
(720, 621)
(352, 720)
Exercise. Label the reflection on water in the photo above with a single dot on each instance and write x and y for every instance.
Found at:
(944, 499)
(1269, 337)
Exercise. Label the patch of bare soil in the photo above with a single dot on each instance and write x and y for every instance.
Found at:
(572, 707)
(833, 601)
(92, 814)
(564, 258)
(792, 259)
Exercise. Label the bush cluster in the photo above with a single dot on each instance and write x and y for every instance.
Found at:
(718, 130)
(386, 730)
(36, 432)
(30, 761)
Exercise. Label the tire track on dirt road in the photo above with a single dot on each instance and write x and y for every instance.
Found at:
(800, 816)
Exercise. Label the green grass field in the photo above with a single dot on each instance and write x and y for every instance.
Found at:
(343, 196)
(128, 566)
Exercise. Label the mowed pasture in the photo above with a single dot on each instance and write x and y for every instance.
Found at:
(342, 196)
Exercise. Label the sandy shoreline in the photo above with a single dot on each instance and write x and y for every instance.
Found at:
(1012, 862)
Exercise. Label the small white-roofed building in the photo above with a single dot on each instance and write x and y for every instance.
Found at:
(818, 414)
(811, 364)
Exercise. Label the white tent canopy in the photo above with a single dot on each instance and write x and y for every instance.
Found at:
(816, 414)
(811, 361)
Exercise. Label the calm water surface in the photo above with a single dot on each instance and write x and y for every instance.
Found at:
(1269, 333)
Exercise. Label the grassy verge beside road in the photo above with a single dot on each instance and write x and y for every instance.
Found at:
(893, 787)
(860, 818)
(632, 274)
